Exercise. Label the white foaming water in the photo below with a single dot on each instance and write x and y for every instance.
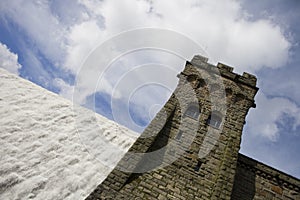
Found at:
(46, 150)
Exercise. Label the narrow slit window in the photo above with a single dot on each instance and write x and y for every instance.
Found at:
(179, 135)
(198, 166)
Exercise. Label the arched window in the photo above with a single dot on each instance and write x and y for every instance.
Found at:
(192, 111)
(228, 92)
(215, 120)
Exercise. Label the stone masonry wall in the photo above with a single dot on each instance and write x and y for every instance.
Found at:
(255, 180)
(191, 176)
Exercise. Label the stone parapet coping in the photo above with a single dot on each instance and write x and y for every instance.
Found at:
(269, 173)
(224, 70)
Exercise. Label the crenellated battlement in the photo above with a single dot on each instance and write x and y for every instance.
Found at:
(224, 70)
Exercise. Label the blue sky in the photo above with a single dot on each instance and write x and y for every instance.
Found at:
(46, 42)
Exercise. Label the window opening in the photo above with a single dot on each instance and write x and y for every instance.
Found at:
(193, 112)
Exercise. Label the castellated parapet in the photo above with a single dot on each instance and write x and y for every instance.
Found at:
(190, 149)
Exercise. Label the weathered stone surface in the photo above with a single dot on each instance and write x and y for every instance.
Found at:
(210, 166)
(206, 168)
(255, 180)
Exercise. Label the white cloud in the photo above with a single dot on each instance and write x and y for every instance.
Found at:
(9, 60)
(66, 90)
(82, 39)
(40, 25)
(271, 113)
(223, 28)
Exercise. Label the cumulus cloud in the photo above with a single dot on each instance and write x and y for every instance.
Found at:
(272, 113)
(81, 40)
(9, 60)
(66, 90)
(225, 31)
(222, 28)
(41, 26)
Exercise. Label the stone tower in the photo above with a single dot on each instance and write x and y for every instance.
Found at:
(190, 149)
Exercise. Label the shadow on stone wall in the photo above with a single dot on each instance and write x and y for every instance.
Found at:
(257, 180)
(244, 182)
(160, 141)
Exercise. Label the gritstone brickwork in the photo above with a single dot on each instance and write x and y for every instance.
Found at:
(255, 180)
(209, 167)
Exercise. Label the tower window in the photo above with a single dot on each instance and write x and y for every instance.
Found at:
(228, 92)
(214, 120)
(198, 166)
(192, 111)
(179, 135)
